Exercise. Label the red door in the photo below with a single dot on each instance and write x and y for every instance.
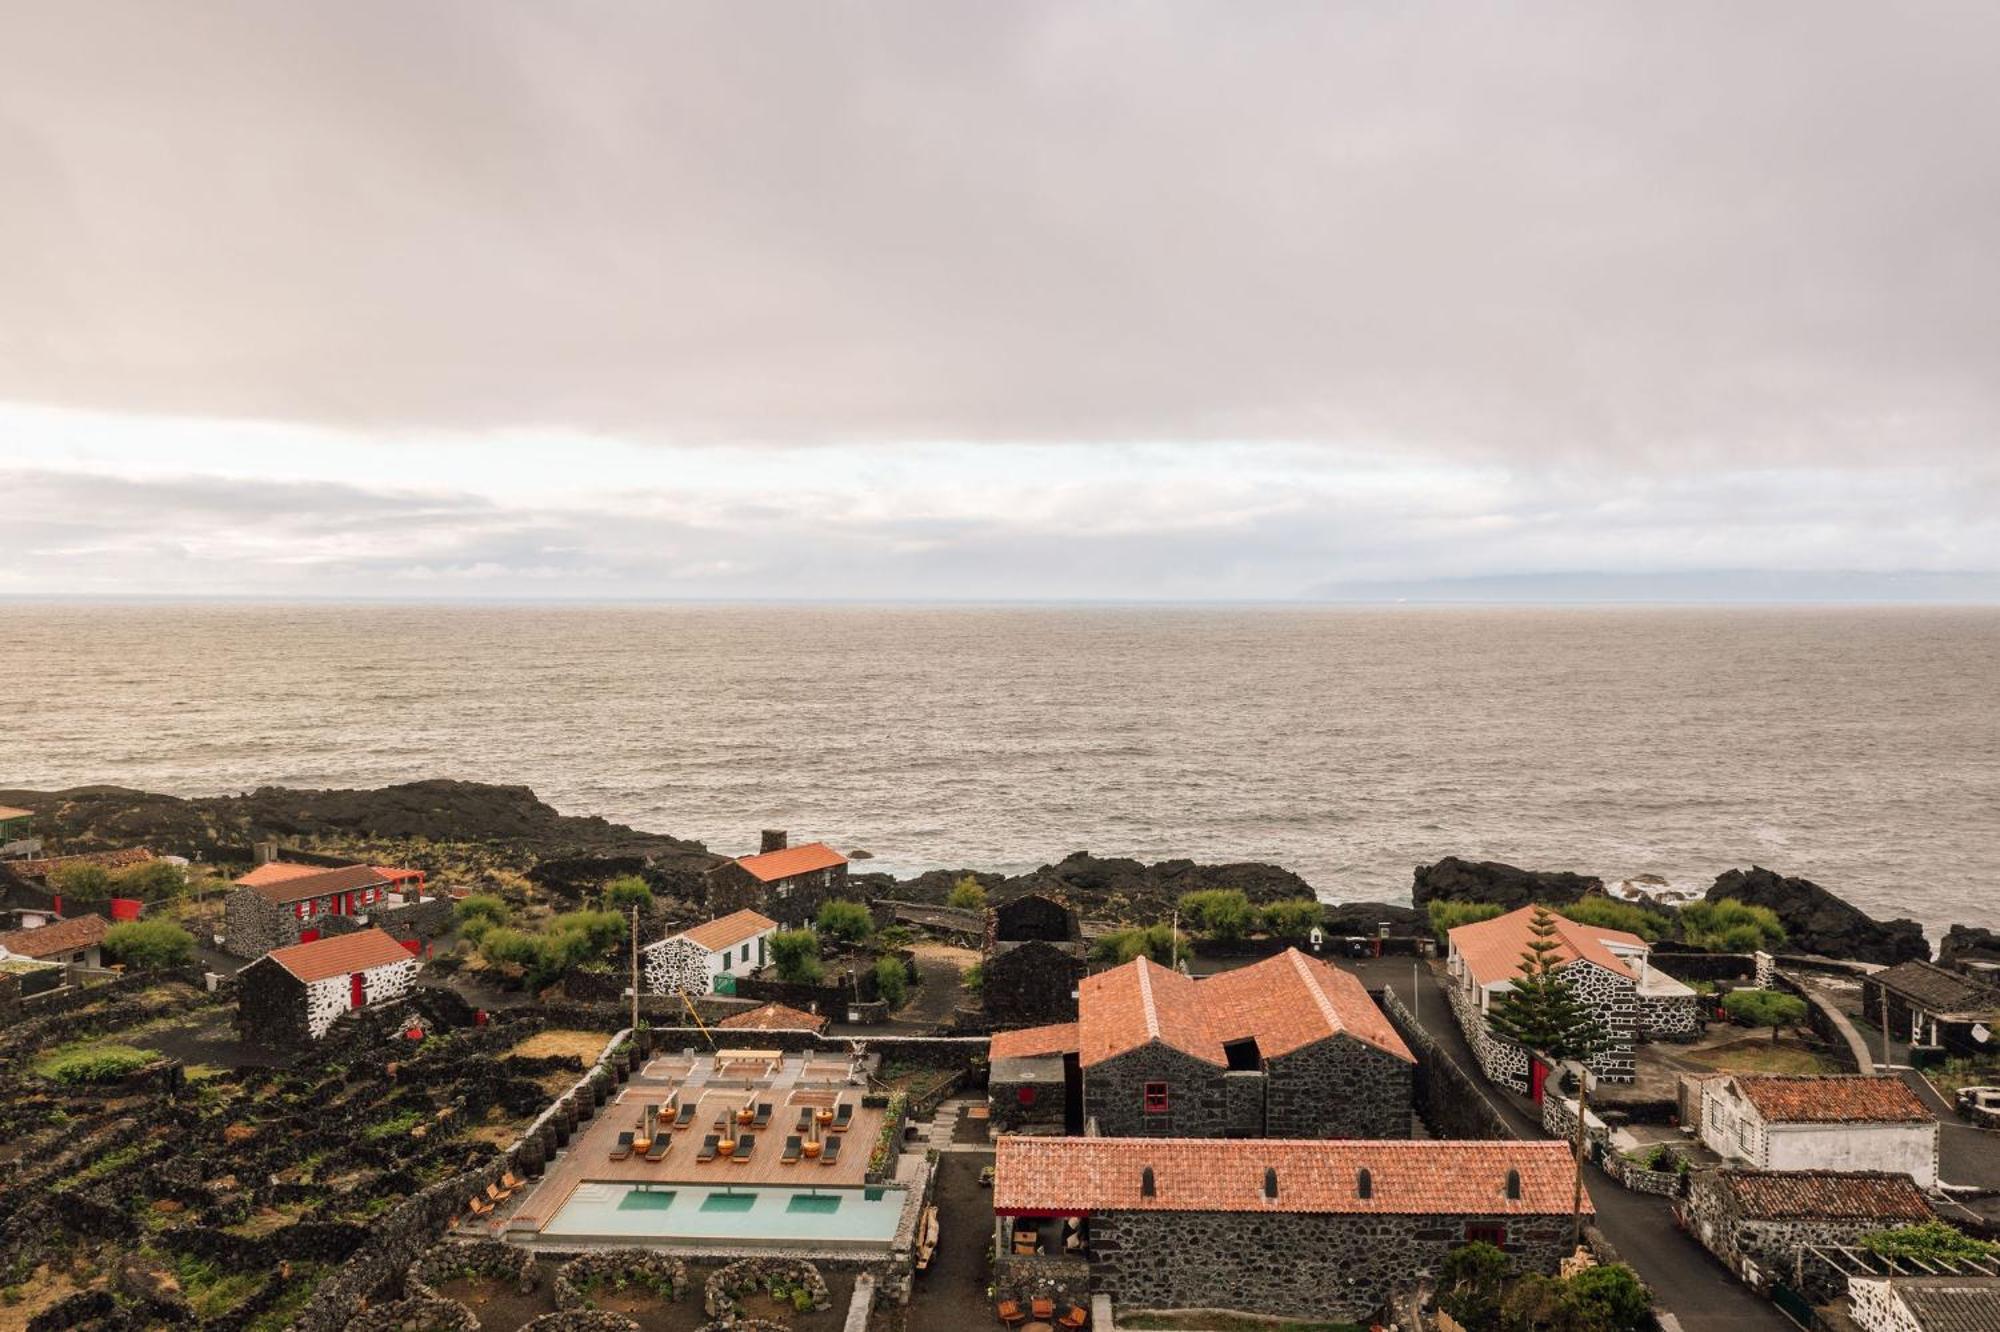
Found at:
(355, 990)
(1538, 1073)
(308, 936)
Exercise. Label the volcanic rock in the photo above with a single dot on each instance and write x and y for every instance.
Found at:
(1816, 921)
(1455, 880)
(1105, 888)
(1969, 943)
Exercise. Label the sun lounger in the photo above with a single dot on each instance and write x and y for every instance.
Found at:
(744, 1143)
(496, 1194)
(479, 1207)
(1012, 1314)
(624, 1148)
(1043, 1310)
(707, 1152)
(832, 1152)
(684, 1118)
(1075, 1319)
(763, 1115)
(843, 1115)
(658, 1151)
(793, 1145)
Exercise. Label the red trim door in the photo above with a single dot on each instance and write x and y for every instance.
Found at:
(1538, 1075)
(356, 991)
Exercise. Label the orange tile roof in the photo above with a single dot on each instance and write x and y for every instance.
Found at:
(320, 883)
(1832, 1099)
(64, 936)
(1781, 1195)
(275, 871)
(774, 865)
(1492, 949)
(1028, 1042)
(1068, 1176)
(775, 1017)
(9, 812)
(1284, 1002)
(728, 931)
(111, 860)
(395, 873)
(341, 955)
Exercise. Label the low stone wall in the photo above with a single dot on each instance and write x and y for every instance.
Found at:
(1697, 966)
(1830, 1025)
(581, 1320)
(485, 1257)
(426, 1311)
(578, 1280)
(1062, 1280)
(718, 1296)
(1450, 1102)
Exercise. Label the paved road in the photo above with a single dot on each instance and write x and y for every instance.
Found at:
(1686, 1279)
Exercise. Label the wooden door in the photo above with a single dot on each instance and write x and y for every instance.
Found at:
(357, 992)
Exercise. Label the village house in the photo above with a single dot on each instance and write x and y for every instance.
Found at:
(775, 1017)
(1287, 1048)
(1759, 1222)
(291, 996)
(1924, 1303)
(1032, 962)
(1288, 1228)
(1609, 971)
(710, 957)
(74, 940)
(1935, 1008)
(1779, 1122)
(786, 883)
(17, 832)
(279, 904)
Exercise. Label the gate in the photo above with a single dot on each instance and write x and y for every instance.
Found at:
(1538, 1074)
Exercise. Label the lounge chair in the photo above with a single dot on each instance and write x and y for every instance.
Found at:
(496, 1194)
(479, 1207)
(843, 1116)
(623, 1150)
(793, 1145)
(707, 1152)
(1012, 1314)
(763, 1115)
(745, 1143)
(510, 1181)
(1076, 1319)
(832, 1152)
(805, 1118)
(684, 1118)
(1043, 1310)
(658, 1151)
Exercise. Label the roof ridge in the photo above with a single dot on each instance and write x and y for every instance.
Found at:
(1146, 998)
(1319, 994)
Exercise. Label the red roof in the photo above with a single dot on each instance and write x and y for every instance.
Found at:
(1492, 949)
(323, 883)
(1832, 1099)
(775, 1017)
(1832, 1195)
(275, 871)
(65, 936)
(1028, 1042)
(774, 865)
(9, 812)
(342, 955)
(1283, 1002)
(730, 930)
(1069, 1176)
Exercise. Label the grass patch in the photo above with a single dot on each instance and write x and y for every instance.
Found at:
(1954, 1075)
(210, 1290)
(89, 1063)
(396, 1126)
(1756, 1054)
(585, 1045)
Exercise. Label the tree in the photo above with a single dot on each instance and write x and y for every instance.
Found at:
(148, 945)
(479, 913)
(1539, 1010)
(796, 955)
(846, 921)
(1293, 918)
(1730, 926)
(628, 891)
(1447, 916)
(968, 894)
(81, 882)
(1224, 914)
(151, 881)
(1155, 941)
(1764, 1008)
(1611, 1298)
(1471, 1281)
(892, 982)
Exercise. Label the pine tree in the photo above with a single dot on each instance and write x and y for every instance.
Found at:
(1540, 1011)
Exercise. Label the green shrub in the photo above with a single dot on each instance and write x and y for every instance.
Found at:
(600, 930)
(1929, 1242)
(82, 882)
(1470, 1283)
(1730, 926)
(973, 978)
(1223, 914)
(152, 881)
(967, 895)
(1447, 916)
(850, 922)
(1155, 941)
(1293, 918)
(891, 980)
(1764, 1008)
(895, 936)
(1609, 915)
(503, 945)
(1610, 1297)
(92, 1064)
(796, 955)
(148, 945)
(482, 906)
(628, 891)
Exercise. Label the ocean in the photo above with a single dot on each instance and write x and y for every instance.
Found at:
(1857, 747)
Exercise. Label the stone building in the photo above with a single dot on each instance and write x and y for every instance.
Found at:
(1848, 1122)
(276, 906)
(1609, 971)
(786, 883)
(1924, 1303)
(1931, 1006)
(1032, 962)
(1034, 1083)
(697, 960)
(1287, 1048)
(1295, 1229)
(73, 940)
(1758, 1222)
(291, 996)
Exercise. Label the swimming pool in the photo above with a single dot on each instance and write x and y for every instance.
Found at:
(699, 1213)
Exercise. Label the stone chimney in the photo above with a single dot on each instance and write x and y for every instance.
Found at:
(265, 852)
(773, 840)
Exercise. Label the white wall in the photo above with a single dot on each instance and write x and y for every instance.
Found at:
(1902, 1149)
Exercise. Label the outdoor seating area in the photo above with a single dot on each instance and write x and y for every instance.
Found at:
(1040, 1315)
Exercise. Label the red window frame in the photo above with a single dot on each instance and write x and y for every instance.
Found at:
(1492, 1232)
(1155, 1098)
(1024, 1096)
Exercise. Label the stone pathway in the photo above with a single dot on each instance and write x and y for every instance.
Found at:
(944, 1127)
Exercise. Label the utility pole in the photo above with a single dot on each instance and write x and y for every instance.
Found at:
(1883, 990)
(1416, 1000)
(635, 969)
(1576, 1196)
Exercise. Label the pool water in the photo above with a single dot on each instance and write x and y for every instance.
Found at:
(696, 1213)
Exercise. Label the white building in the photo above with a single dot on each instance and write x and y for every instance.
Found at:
(737, 944)
(1820, 1123)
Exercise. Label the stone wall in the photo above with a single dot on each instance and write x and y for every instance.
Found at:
(1447, 1098)
(252, 927)
(1031, 984)
(1759, 1252)
(1114, 1095)
(1696, 966)
(1337, 1088)
(271, 1007)
(675, 966)
(1321, 1265)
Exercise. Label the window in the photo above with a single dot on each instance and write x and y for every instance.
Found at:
(1024, 1096)
(1156, 1098)
(1487, 1232)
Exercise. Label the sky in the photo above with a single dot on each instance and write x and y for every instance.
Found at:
(1028, 300)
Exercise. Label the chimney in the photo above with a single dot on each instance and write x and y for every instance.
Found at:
(265, 852)
(773, 840)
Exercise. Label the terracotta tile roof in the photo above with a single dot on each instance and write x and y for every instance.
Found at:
(395, 873)
(1074, 1175)
(1028, 1042)
(111, 860)
(775, 1017)
(341, 955)
(1492, 948)
(322, 883)
(275, 871)
(774, 865)
(1832, 1099)
(1831, 1195)
(10, 812)
(1937, 990)
(1283, 1002)
(64, 936)
(728, 931)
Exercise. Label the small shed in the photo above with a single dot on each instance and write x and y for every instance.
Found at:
(75, 939)
(694, 961)
(291, 996)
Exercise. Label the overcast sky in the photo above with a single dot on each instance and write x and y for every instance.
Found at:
(996, 299)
